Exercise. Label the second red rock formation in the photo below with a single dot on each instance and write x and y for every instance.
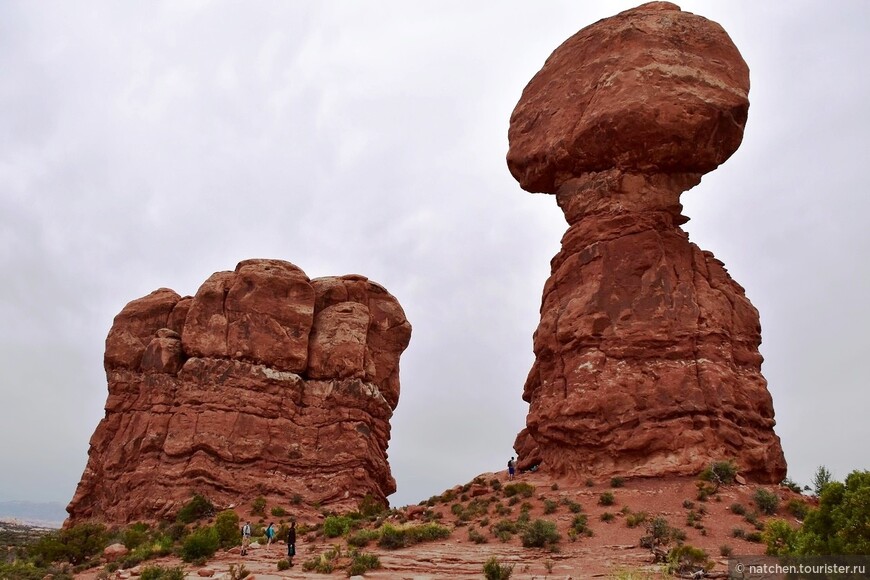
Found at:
(647, 357)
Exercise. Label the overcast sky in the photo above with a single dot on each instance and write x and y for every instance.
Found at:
(149, 144)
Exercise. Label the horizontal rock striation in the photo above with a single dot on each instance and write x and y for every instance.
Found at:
(264, 383)
(647, 358)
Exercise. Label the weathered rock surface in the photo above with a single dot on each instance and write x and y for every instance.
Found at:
(647, 357)
(265, 383)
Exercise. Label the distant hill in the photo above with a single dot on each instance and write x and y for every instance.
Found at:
(50, 514)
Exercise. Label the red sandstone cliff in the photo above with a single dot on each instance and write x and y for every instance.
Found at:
(647, 357)
(264, 383)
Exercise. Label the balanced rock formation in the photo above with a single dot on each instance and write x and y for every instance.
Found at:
(264, 383)
(647, 357)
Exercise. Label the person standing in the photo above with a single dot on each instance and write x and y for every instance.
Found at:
(246, 538)
(291, 542)
(512, 467)
(270, 533)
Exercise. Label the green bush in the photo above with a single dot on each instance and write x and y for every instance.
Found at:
(580, 524)
(201, 543)
(258, 506)
(738, 509)
(540, 534)
(29, 571)
(522, 489)
(476, 537)
(726, 551)
(635, 519)
(335, 526)
(362, 563)
(617, 481)
(495, 570)
(788, 483)
(134, 535)
(687, 559)
(720, 472)
(550, 506)
(161, 573)
(839, 525)
(607, 517)
(659, 533)
(75, 545)
(370, 507)
(393, 538)
(283, 565)
(779, 537)
(362, 538)
(766, 501)
(797, 508)
(198, 507)
(606, 498)
(227, 527)
(278, 511)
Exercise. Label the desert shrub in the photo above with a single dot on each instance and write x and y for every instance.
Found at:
(134, 535)
(688, 504)
(659, 532)
(29, 571)
(607, 517)
(720, 472)
(788, 483)
(635, 519)
(580, 524)
(754, 537)
(296, 499)
(504, 530)
(540, 534)
(75, 545)
(606, 498)
(766, 501)
(237, 573)
(521, 489)
(393, 538)
(226, 525)
(495, 484)
(617, 481)
(370, 507)
(362, 563)
(738, 509)
(283, 565)
(278, 511)
(726, 551)
(705, 490)
(362, 538)
(495, 570)
(335, 526)
(201, 543)
(550, 506)
(738, 533)
(258, 506)
(161, 573)
(198, 507)
(797, 508)
(555, 487)
(687, 559)
(476, 537)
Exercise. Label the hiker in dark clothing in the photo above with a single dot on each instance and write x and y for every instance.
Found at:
(291, 542)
